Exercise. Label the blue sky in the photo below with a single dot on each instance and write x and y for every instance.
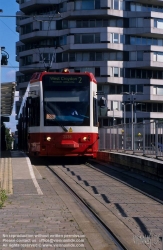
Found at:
(8, 38)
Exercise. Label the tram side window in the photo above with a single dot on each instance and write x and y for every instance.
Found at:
(95, 113)
(34, 112)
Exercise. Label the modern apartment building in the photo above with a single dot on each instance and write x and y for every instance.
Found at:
(120, 41)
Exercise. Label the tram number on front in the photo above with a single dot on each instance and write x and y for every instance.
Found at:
(67, 136)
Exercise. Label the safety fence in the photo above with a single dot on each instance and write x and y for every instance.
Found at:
(141, 138)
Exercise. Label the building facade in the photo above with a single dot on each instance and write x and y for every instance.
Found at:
(120, 41)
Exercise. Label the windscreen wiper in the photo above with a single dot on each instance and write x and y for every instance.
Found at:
(63, 127)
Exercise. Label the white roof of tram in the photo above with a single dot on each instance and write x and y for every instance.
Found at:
(7, 98)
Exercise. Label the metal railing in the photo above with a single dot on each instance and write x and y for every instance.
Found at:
(140, 138)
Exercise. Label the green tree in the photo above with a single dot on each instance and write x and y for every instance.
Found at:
(9, 139)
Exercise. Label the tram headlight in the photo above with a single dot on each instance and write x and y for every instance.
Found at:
(48, 138)
(85, 138)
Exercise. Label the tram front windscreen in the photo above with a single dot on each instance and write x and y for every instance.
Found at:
(66, 100)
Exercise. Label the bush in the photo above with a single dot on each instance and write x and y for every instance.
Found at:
(3, 197)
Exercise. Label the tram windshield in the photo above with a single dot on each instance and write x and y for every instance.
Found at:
(66, 100)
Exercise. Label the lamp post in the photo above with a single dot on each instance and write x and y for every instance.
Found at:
(124, 112)
(132, 103)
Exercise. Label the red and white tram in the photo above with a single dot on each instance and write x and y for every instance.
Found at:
(58, 116)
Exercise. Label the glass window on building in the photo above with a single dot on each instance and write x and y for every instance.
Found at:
(132, 73)
(160, 42)
(132, 40)
(92, 23)
(132, 88)
(99, 88)
(119, 56)
(116, 4)
(160, 107)
(154, 107)
(97, 71)
(121, 5)
(77, 38)
(112, 89)
(140, 88)
(160, 74)
(132, 22)
(88, 5)
(155, 74)
(144, 40)
(140, 22)
(148, 107)
(106, 56)
(132, 7)
(158, 23)
(72, 57)
(138, 73)
(99, 56)
(79, 57)
(112, 56)
(144, 73)
(159, 57)
(92, 56)
(87, 38)
(115, 38)
(65, 24)
(85, 24)
(138, 7)
(159, 90)
(49, 25)
(114, 105)
(78, 5)
(65, 57)
(121, 73)
(97, 4)
(122, 38)
(105, 23)
(119, 23)
(115, 72)
(119, 89)
(97, 38)
(132, 55)
(72, 24)
(86, 56)
(139, 55)
(126, 88)
(113, 23)
(63, 40)
(98, 23)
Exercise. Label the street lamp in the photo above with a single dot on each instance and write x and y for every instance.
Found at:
(132, 103)
(124, 112)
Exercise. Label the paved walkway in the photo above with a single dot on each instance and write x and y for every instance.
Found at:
(39, 213)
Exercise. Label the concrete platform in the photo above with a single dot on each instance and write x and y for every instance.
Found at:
(148, 166)
(39, 213)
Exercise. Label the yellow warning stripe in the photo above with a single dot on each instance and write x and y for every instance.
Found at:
(6, 175)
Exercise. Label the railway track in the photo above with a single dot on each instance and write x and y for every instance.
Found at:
(129, 218)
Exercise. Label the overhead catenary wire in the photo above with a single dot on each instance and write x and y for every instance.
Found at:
(35, 16)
